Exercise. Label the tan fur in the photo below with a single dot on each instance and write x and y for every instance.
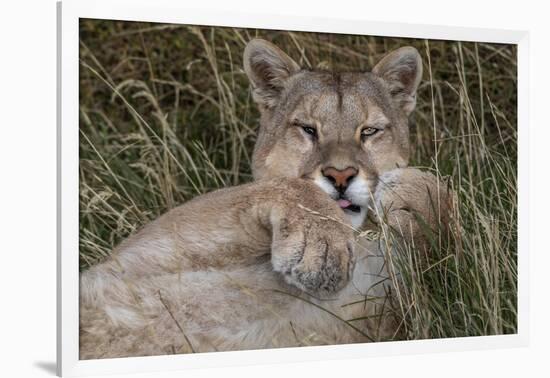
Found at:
(404, 195)
(251, 266)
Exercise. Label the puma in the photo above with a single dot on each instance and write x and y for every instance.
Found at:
(276, 262)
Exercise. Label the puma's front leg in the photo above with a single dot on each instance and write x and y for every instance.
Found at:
(291, 221)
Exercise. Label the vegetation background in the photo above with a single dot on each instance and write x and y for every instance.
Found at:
(166, 114)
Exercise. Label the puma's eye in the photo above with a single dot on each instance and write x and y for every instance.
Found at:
(368, 131)
(310, 130)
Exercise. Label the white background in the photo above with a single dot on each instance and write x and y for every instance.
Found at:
(27, 187)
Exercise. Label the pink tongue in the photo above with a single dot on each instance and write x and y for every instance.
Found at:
(344, 203)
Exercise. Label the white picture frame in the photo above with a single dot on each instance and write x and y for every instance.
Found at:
(173, 11)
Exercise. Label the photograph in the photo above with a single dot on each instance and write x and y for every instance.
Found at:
(244, 189)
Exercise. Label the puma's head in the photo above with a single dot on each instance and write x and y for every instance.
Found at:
(340, 129)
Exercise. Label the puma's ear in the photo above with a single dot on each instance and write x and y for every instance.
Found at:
(402, 71)
(268, 68)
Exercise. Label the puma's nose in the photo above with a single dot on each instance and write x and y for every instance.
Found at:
(340, 179)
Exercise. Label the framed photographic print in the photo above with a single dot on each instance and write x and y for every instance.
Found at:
(241, 188)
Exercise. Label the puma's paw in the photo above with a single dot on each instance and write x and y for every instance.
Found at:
(412, 202)
(313, 252)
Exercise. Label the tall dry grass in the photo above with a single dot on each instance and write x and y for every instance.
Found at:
(166, 114)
